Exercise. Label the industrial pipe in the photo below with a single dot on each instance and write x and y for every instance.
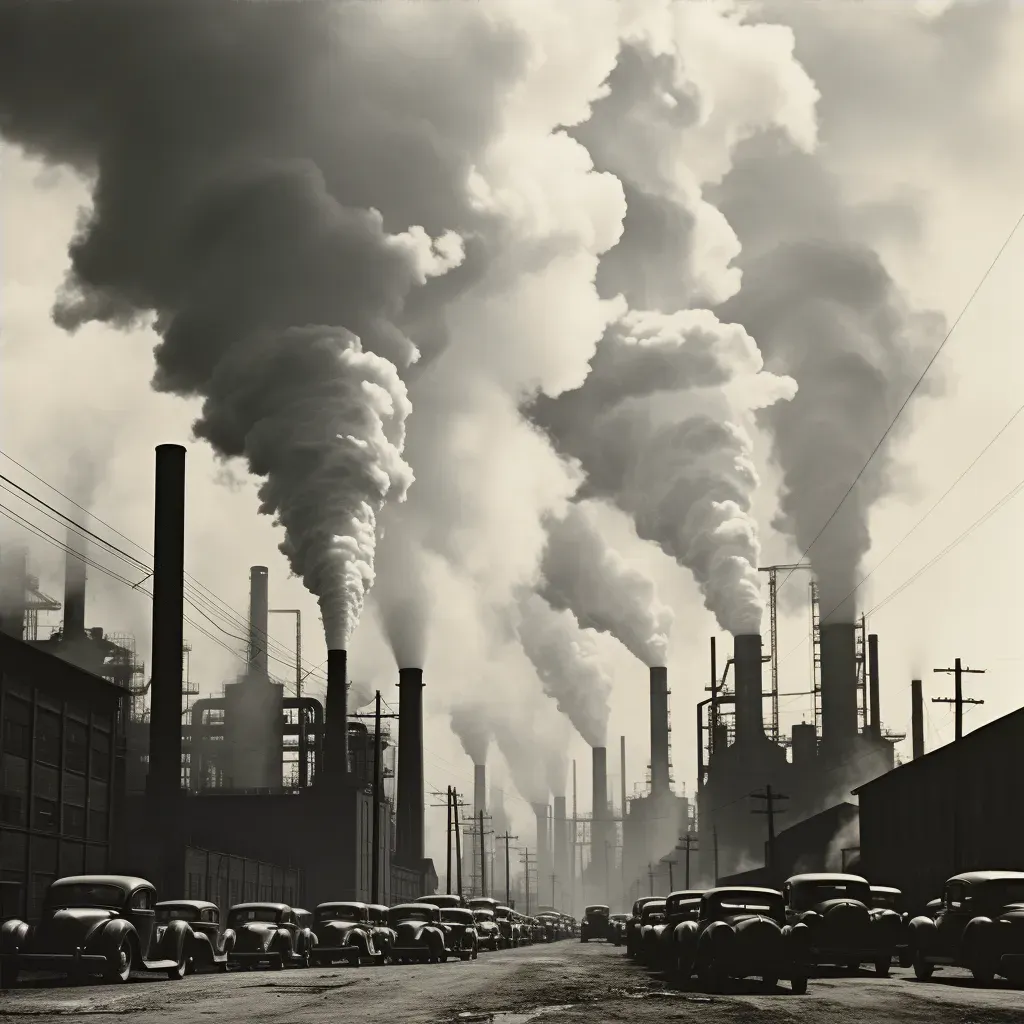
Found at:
(409, 812)
(916, 719)
(659, 731)
(74, 589)
(335, 764)
(874, 713)
(838, 646)
(259, 621)
(749, 719)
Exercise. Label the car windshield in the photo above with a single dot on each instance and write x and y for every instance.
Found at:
(1002, 892)
(411, 914)
(503, 914)
(84, 894)
(454, 915)
(620, 917)
(244, 915)
(744, 903)
(886, 900)
(597, 911)
(807, 894)
(340, 912)
(649, 912)
(177, 914)
(484, 916)
(440, 901)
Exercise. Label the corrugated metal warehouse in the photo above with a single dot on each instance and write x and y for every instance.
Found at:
(955, 809)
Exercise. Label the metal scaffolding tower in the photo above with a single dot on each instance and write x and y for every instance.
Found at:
(773, 621)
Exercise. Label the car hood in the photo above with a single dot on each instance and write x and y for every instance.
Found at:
(486, 926)
(65, 929)
(254, 935)
(410, 930)
(336, 929)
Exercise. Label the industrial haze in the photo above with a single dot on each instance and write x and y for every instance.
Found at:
(665, 339)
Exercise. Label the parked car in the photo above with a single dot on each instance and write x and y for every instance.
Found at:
(343, 932)
(551, 926)
(95, 925)
(442, 900)
(460, 934)
(740, 932)
(381, 930)
(418, 931)
(483, 903)
(206, 946)
(487, 931)
(679, 907)
(980, 926)
(841, 931)
(932, 908)
(617, 925)
(884, 897)
(652, 916)
(507, 926)
(524, 933)
(269, 933)
(633, 924)
(595, 923)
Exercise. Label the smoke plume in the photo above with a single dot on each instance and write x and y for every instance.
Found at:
(568, 666)
(470, 724)
(583, 575)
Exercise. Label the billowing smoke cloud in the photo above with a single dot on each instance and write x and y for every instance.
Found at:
(470, 722)
(241, 153)
(583, 575)
(568, 666)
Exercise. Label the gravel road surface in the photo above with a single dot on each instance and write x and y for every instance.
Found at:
(557, 984)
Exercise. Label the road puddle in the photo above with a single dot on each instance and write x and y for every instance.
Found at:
(510, 1017)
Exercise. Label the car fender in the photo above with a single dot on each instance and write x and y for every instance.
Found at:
(200, 948)
(306, 940)
(717, 938)
(282, 940)
(227, 940)
(14, 935)
(172, 942)
(980, 934)
(921, 934)
(106, 939)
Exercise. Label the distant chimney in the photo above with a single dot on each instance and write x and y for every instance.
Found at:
(540, 812)
(599, 820)
(838, 687)
(74, 588)
(916, 718)
(259, 604)
(335, 746)
(164, 781)
(874, 714)
(562, 866)
(659, 731)
(479, 788)
(747, 667)
(409, 812)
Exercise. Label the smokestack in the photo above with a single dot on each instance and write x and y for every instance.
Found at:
(599, 818)
(479, 789)
(13, 587)
(916, 718)
(746, 652)
(259, 605)
(409, 812)
(164, 780)
(874, 714)
(838, 687)
(74, 590)
(544, 872)
(659, 731)
(804, 744)
(563, 867)
(335, 747)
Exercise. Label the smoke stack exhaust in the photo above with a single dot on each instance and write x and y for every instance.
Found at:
(335, 748)
(479, 789)
(659, 731)
(409, 812)
(874, 713)
(916, 719)
(562, 867)
(74, 589)
(164, 779)
(259, 622)
(838, 687)
(599, 820)
(746, 652)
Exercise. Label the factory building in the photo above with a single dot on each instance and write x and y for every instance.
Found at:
(954, 809)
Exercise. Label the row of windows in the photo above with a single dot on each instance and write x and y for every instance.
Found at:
(16, 738)
(46, 800)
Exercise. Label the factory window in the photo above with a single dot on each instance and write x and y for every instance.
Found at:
(40, 884)
(13, 853)
(74, 821)
(17, 727)
(74, 789)
(79, 712)
(76, 746)
(95, 858)
(44, 799)
(71, 859)
(98, 825)
(13, 789)
(47, 737)
(98, 793)
(234, 891)
(101, 722)
(100, 767)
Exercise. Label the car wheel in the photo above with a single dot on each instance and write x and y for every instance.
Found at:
(906, 959)
(982, 971)
(180, 969)
(922, 969)
(799, 985)
(121, 962)
(882, 965)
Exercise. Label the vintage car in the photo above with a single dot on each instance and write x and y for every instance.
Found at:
(483, 903)
(507, 926)
(418, 933)
(679, 907)
(633, 925)
(885, 897)
(617, 923)
(595, 923)
(460, 934)
(381, 930)
(206, 946)
(95, 925)
(741, 932)
(932, 908)
(551, 926)
(841, 930)
(442, 900)
(487, 931)
(652, 915)
(343, 932)
(980, 927)
(523, 930)
(270, 933)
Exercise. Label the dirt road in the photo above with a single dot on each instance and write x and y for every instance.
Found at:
(557, 984)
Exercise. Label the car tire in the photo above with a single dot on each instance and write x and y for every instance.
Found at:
(922, 969)
(120, 963)
(882, 966)
(798, 985)
(983, 971)
(180, 969)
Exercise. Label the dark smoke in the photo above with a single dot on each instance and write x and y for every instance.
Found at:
(240, 153)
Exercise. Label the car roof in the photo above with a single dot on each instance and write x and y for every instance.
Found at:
(686, 894)
(746, 890)
(376, 906)
(124, 881)
(977, 877)
(825, 876)
(194, 904)
(420, 906)
(340, 903)
(654, 903)
(597, 906)
(886, 888)
(261, 906)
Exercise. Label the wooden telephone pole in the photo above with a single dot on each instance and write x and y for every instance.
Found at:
(506, 839)
(958, 700)
(770, 798)
(525, 857)
(689, 842)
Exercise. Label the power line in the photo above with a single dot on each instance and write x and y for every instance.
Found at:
(913, 390)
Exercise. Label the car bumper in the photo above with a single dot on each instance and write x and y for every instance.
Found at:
(861, 954)
(411, 952)
(60, 963)
(1012, 961)
(350, 954)
(252, 959)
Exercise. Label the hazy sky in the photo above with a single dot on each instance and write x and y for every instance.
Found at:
(916, 133)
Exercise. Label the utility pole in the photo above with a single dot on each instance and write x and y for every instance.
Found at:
(770, 798)
(448, 804)
(958, 700)
(553, 877)
(650, 876)
(525, 856)
(671, 878)
(714, 840)
(378, 791)
(506, 839)
(689, 842)
(458, 840)
(478, 830)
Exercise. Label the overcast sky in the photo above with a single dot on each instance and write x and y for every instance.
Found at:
(913, 119)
